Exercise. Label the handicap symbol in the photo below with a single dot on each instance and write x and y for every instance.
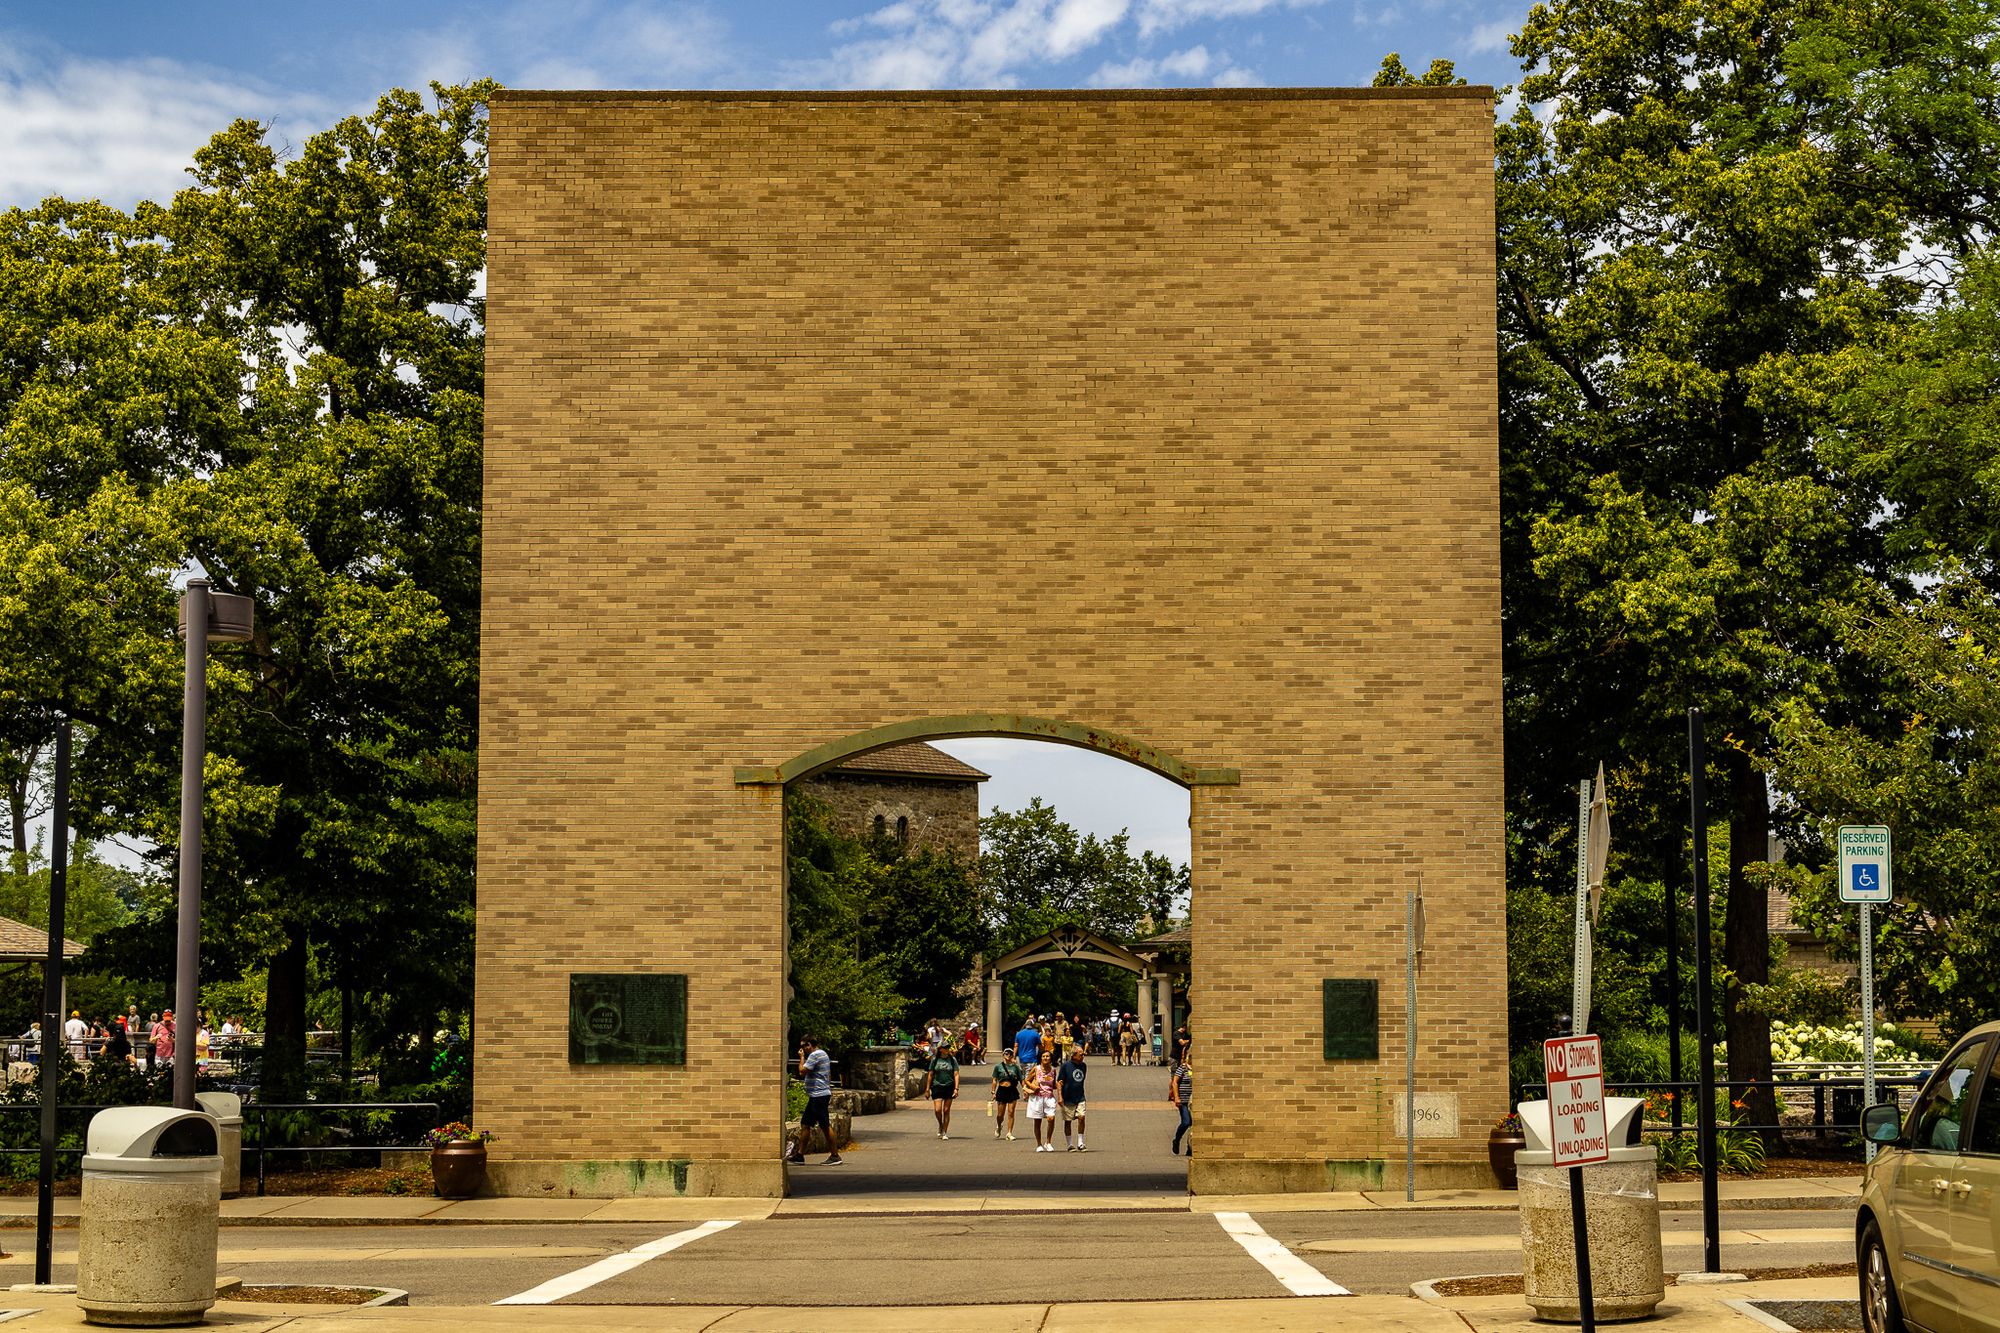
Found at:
(1864, 879)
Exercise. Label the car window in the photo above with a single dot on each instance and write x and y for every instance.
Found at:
(1986, 1121)
(1940, 1113)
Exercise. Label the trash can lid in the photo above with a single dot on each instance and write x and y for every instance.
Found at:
(226, 1107)
(151, 1138)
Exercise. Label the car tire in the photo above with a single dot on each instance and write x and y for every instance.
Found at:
(1881, 1311)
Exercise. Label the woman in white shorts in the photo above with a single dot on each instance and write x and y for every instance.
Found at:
(1040, 1085)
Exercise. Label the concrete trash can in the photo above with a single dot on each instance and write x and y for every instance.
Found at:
(152, 1180)
(227, 1108)
(1621, 1201)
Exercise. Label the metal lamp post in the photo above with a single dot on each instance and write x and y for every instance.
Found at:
(224, 617)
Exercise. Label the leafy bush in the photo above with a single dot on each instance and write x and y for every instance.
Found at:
(795, 1099)
(1677, 1152)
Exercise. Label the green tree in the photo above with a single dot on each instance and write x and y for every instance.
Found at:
(842, 992)
(1927, 766)
(346, 503)
(1704, 211)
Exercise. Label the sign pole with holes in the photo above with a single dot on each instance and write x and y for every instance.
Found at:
(1864, 880)
(1579, 1136)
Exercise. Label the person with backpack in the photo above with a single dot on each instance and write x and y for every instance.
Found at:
(944, 1086)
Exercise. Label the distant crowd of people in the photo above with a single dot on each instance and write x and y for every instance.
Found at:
(1046, 1066)
(135, 1039)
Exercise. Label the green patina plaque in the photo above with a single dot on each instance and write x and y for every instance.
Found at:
(1350, 1017)
(628, 1018)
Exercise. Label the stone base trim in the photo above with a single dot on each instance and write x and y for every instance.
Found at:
(531, 1178)
(1315, 1176)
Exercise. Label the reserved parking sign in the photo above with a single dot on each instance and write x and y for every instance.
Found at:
(1579, 1133)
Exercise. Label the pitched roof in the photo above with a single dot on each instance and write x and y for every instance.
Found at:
(916, 760)
(20, 943)
(1156, 943)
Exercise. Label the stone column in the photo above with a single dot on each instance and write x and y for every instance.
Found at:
(1145, 1014)
(1165, 981)
(996, 1036)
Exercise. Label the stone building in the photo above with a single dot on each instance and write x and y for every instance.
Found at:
(916, 794)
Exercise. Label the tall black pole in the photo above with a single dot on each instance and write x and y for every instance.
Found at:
(1673, 897)
(194, 744)
(1711, 1223)
(52, 1000)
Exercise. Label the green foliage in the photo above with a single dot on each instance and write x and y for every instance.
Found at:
(1800, 995)
(1394, 74)
(1678, 1153)
(1926, 764)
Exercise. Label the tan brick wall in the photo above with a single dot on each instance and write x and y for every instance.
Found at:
(1168, 413)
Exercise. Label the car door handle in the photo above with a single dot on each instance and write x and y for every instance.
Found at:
(1961, 1187)
(1940, 1184)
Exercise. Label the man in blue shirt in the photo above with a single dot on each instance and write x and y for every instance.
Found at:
(1028, 1043)
(816, 1072)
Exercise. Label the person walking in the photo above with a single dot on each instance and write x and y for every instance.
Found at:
(1006, 1095)
(1180, 1094)
(76, 1032)
(1128, 1039)
(1040, 1084)
(1069, 1086)
(1028, 1043)
(944, 1087)
(816, 1072)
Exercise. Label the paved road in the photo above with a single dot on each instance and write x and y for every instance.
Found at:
(934, 1260)
(1128, 1130)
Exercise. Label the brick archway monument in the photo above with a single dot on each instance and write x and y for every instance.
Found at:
(1171, 414)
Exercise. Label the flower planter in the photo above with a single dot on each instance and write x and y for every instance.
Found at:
(1500, 1150)
(458, 1169)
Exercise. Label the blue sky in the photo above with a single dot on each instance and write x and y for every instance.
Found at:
(109, 98)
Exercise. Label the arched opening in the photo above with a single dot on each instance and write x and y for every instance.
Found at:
(895, 789)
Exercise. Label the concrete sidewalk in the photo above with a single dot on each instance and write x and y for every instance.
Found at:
(1819, 1192)
(1686, 1310)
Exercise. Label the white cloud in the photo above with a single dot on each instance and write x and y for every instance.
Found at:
(1491, 38)
(1237, 77)
(1091, 791)
(1181, 66)
(640, 44)
(122, 130)
(988, 43)
(1165, 15)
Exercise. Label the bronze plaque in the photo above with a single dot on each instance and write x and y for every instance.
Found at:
(1350, 1017)
(628, 1018)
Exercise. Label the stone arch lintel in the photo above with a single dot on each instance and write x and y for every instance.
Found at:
(989, 724)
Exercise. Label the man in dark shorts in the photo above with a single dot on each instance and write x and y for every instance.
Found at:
(816, 1072)
(1006, 1094)
(944, 1087)
(1069, 1095)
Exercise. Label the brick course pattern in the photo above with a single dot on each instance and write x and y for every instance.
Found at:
(1172, 414)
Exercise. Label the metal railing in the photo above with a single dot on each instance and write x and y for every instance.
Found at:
(1826, 1097)
(258, 1110)
(253, 1112)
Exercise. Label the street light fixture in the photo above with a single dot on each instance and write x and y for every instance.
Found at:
(225, 617)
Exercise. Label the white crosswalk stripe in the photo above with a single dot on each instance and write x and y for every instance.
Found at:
(1293, 1273)
(569, 1284)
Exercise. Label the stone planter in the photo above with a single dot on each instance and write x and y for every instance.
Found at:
(1501, 1146)
(458, 1170)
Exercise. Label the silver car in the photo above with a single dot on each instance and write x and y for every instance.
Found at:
(1928, 1235)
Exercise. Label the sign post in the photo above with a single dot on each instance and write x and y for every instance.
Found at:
(1579, 998)
(1579, 1136)
(1864, 880)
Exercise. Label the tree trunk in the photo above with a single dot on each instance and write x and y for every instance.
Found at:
(285, 1023)
(1747, 944)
